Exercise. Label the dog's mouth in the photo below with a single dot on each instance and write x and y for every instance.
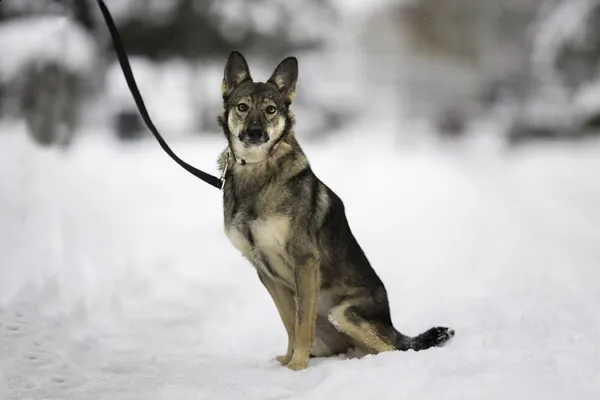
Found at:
(254, 137)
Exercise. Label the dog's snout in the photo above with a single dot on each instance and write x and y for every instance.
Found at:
(254, 134)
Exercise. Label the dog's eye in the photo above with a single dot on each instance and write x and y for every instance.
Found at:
(242, 107)
(271, 110)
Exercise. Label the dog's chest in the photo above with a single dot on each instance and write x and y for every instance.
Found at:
(264, 241)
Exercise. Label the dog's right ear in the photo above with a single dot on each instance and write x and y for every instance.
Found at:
(236, 72)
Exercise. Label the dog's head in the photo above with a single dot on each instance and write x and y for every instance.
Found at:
(256, 115)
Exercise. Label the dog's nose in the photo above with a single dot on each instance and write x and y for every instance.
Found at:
(255, 132)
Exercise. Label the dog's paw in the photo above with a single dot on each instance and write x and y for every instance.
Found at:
(285, 359)
(297, 365)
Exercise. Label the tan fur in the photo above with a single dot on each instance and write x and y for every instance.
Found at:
(271, 236)
(240, 242)
(286, 307)
(307, 294)
(361, 332)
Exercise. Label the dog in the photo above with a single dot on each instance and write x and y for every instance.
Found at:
(293, 228)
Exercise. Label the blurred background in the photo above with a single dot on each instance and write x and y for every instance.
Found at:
(526, 69)
(462, 136)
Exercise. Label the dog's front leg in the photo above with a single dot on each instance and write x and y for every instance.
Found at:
(286, 306)
(307, 293)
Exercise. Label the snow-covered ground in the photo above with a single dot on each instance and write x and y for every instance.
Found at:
(117, 281)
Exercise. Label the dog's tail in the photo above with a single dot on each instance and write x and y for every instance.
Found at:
(433, 337)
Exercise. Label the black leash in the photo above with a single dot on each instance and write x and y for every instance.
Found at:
(124, 62)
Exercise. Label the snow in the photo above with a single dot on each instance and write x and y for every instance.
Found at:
(586, 101)
(47, 38)
(160, 83)
(558, 25)
(123, 9)
(118, 282)
(365, 6)
(311, 20)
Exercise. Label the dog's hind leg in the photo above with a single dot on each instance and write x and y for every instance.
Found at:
(370, 327)
(368, 334)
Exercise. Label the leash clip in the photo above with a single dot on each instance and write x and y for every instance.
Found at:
(222, 178)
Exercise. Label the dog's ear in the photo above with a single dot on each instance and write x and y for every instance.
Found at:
(236, 72)
(285, 77)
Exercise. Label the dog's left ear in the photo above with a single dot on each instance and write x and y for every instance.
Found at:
(285, 77)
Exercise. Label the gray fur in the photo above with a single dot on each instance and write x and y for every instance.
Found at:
(293, 228)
